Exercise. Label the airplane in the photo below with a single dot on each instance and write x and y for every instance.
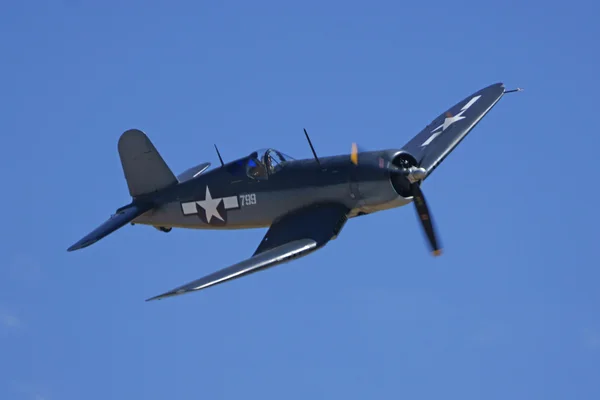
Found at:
(304, 203)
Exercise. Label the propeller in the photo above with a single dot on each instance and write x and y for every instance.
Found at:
(354, 154)
(413, 175)
(425, 218)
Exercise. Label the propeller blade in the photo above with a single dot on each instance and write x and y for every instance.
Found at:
(370, 163)
(425, 217)
(354, 154)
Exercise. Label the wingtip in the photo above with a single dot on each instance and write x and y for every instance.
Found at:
(165, 295)
(514, 90)
(74, 247)
(437, 252)
(159, 297)
(83, 243)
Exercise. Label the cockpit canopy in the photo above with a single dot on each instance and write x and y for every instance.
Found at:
(265, 162)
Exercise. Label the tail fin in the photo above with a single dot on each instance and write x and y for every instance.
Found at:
(144, 168)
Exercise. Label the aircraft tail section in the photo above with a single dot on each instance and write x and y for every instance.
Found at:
(146, 173)
(145, 170)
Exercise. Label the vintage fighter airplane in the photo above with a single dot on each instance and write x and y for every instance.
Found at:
(305, 203)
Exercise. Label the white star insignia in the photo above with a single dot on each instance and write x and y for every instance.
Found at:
(210, 206)
(449, 120)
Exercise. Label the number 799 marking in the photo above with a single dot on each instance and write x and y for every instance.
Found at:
(248, 199)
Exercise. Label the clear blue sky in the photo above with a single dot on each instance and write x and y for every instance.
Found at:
(509, 312)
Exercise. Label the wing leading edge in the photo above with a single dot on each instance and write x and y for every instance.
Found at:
(293, 236)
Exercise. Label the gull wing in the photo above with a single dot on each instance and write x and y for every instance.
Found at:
(292, 236)
(437, 140)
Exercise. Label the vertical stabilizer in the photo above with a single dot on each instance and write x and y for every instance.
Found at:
(144, 168)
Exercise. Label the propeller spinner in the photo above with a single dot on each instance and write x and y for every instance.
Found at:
(413, 175)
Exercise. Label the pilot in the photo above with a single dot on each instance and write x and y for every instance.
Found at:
(269, 162)
(256, 169)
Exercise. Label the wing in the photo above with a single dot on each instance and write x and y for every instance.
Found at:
(438, 139)
(294, 235)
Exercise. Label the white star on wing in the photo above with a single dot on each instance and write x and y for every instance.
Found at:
(449, 120)
(210, 206)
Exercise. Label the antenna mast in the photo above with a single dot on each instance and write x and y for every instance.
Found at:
(312, 148)
(219, 154)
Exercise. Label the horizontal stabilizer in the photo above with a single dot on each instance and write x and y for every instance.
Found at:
(116, 221)
(193, 172)
(144, 168)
